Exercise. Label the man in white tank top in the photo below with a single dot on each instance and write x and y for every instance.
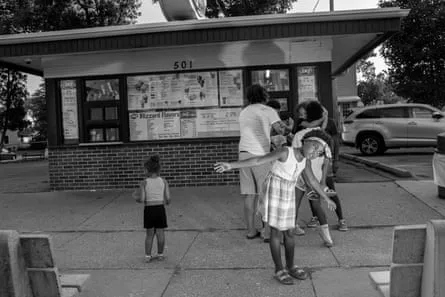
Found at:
(256, 122)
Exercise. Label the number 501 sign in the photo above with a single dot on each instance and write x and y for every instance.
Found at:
(182, 65)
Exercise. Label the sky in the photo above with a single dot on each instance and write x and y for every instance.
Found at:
(151, 13)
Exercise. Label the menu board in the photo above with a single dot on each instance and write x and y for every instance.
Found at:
(69, 110)
(215, 122)
(231, 88)
(307, 86)
(172, 91)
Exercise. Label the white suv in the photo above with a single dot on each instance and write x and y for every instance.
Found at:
(374, 129)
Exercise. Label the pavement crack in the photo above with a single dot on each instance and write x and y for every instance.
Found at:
(178, 267)
(100, 209)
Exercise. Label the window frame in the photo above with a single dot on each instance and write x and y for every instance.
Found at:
(88, 124)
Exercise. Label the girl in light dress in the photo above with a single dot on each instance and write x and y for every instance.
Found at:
(277, 206)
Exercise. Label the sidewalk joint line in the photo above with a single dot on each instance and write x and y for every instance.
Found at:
(418, 199)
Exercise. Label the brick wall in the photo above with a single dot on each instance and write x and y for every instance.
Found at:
(120, 166)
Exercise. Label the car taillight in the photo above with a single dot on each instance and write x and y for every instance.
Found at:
(348, 122)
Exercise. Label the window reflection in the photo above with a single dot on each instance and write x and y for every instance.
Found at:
(272, 79)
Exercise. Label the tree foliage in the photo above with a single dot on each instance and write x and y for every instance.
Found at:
(37, 105)
(416, 55)
(230, 8)
(12, 98)
(22, 16)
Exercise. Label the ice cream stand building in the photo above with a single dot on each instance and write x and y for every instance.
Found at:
(116, 95)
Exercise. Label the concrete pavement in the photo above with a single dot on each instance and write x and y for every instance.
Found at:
(100, 232)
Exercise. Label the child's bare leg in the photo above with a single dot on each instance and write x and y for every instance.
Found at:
(161, 240)
(289, 251)
(149, 235)
(289, 248)
(275, 248)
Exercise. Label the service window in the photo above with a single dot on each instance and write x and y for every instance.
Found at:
(276, 82)
(273, 80)
(184, 105)
(101, 110)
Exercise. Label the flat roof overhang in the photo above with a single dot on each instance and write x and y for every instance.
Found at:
(354, 33)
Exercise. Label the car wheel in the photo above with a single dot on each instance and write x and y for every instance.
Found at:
(371, 144)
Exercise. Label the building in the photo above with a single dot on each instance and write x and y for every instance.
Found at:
(118, 94)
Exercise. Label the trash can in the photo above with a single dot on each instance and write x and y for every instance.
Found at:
(439, 165)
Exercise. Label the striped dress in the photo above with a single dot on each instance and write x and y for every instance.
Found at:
(277, 202)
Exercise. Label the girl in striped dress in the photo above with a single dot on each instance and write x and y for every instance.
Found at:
(277, 205)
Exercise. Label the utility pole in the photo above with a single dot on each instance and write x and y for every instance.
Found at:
(331, 5)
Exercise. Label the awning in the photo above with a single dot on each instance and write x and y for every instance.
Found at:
(354, 33)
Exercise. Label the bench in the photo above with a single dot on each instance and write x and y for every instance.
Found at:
(29, 269)
(418, 262)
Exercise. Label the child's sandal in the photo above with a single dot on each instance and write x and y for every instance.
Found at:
(283, 277)
(298, 273)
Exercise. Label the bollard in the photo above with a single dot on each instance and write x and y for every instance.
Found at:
(14, 280)
(438, 155)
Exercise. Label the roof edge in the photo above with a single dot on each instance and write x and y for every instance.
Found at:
(244, 21)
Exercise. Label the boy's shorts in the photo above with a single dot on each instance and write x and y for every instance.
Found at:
(252, 178)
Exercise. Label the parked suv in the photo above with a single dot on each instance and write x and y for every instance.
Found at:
(374, 129)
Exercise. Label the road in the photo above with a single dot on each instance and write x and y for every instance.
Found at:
(24, 177)
(416, 160)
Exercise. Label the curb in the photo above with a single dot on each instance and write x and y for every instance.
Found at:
(384, 167)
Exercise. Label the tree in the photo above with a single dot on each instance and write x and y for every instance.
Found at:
(12, 97)
(416, 55)
(229, 8)
(37, 105)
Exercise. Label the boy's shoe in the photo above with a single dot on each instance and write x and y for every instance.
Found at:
(342, 225)
(299, 231)
(160, 257)
(313, 223)
(326, 236)
(148, 258)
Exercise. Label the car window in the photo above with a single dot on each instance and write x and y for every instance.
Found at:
(368, 114)
(422, 113)
(393, 112)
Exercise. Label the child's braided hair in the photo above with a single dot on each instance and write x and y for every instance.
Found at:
(152, 165)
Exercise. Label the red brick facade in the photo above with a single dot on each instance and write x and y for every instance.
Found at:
(120, 166)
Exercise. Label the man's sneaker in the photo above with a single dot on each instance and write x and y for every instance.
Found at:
(342, 225)
(313, 223)
(298, 231)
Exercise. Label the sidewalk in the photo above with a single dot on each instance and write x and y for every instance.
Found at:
(207, 254)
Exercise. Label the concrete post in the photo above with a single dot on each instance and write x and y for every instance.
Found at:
(14, 280)
(433, 276)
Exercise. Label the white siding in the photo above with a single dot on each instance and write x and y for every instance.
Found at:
(222, 55)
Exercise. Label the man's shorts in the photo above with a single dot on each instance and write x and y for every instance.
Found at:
(252, 178)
